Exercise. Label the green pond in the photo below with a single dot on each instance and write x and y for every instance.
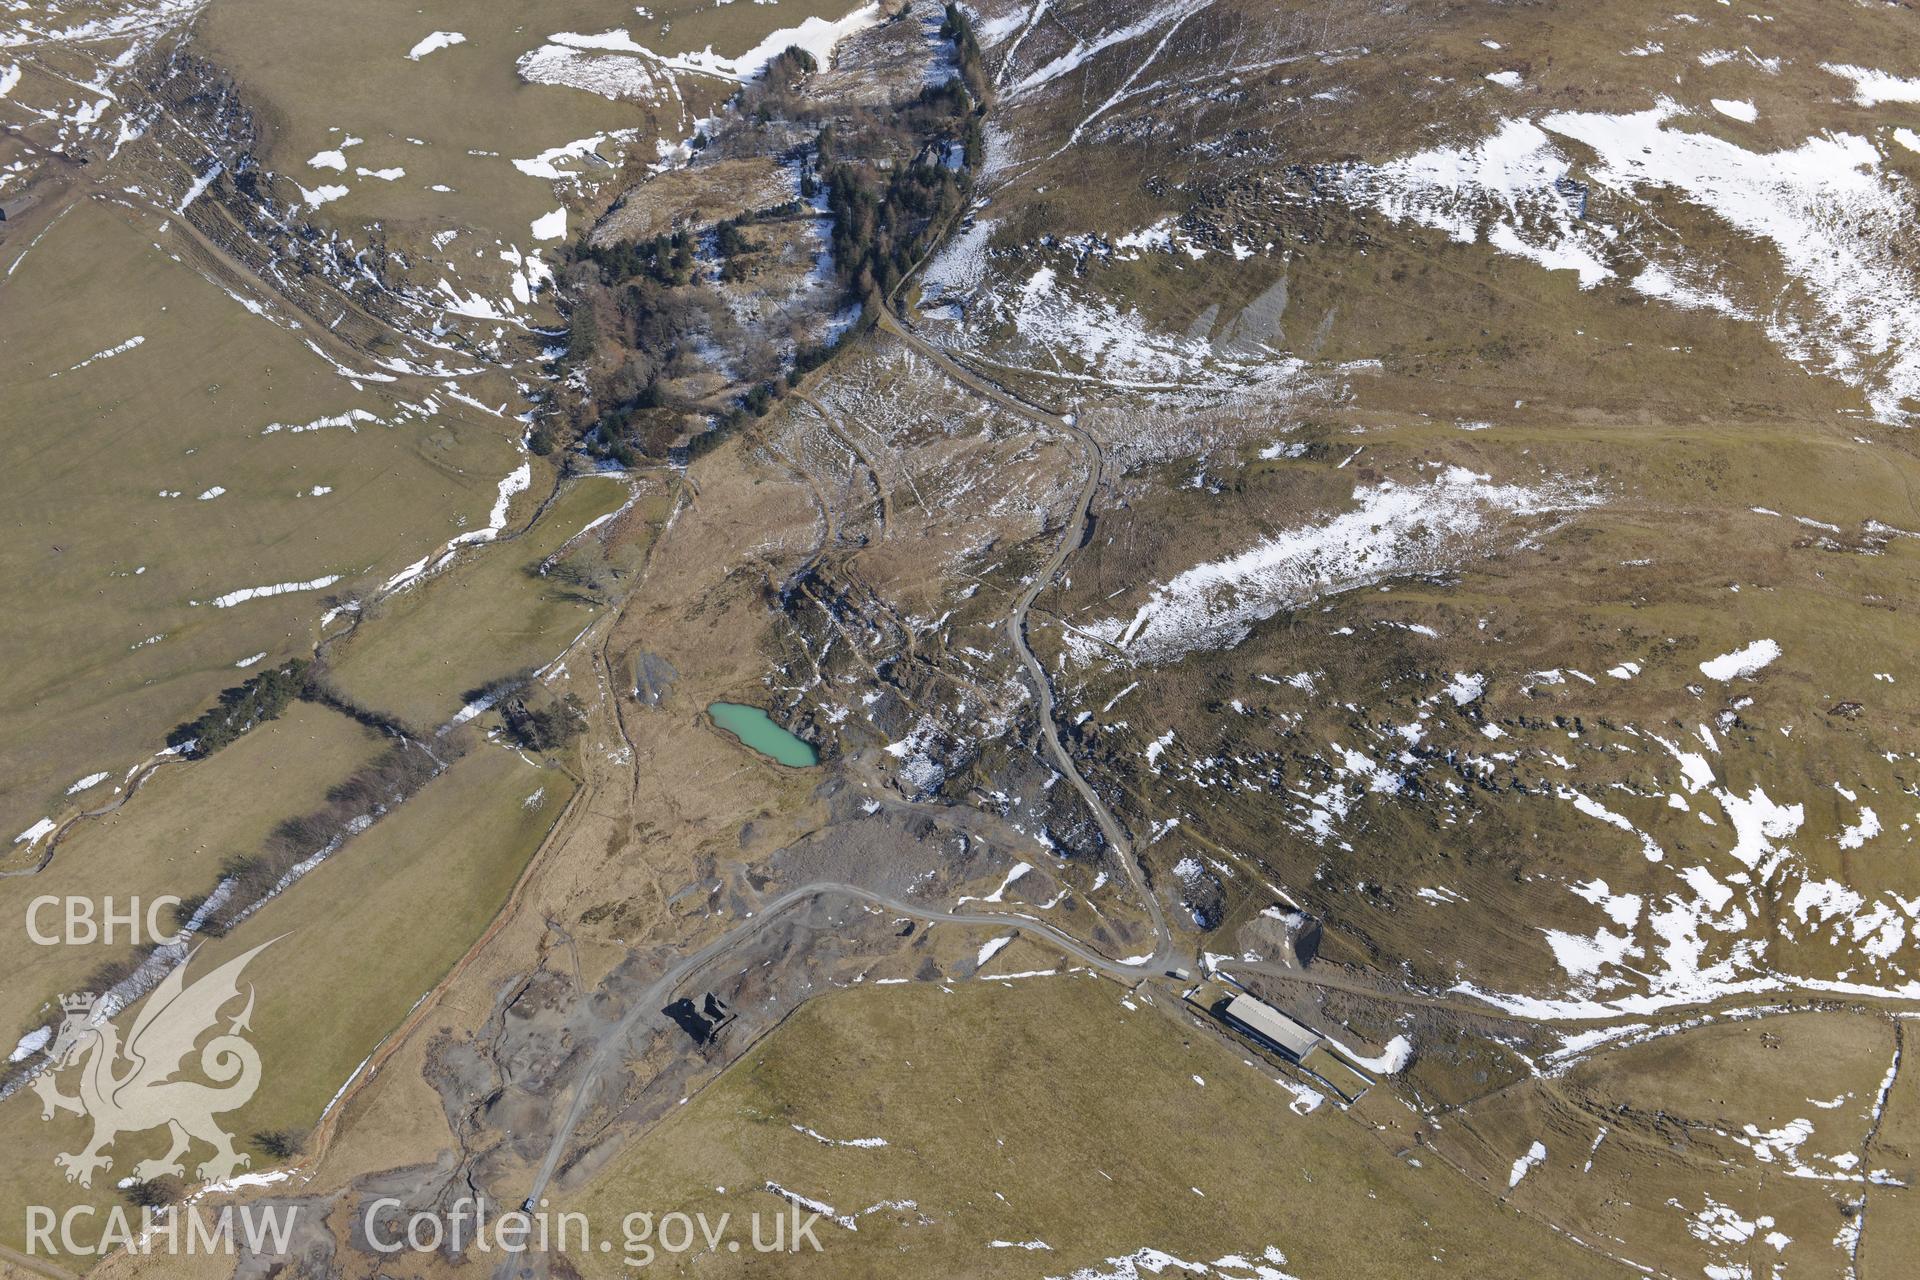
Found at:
(756, 728)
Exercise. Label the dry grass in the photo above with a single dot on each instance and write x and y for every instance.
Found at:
(1046, 1109)
(172, 839)
(348, 960)
(104, 562)
(427, 647)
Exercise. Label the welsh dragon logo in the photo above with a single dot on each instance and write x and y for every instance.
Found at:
(132, 1088)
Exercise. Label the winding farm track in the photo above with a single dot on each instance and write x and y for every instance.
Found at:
(1070, 534)
(882, 492)
(616, 1043)
(647, 1005)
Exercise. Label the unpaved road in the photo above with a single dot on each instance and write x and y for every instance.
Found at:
(614, 1045)
(648, 1004)
(1017, 618)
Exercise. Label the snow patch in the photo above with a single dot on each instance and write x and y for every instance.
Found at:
(245, 594)
(991, 950)
(1393, 529)
(1524, 1165)
(1741, 662)
(436, 41)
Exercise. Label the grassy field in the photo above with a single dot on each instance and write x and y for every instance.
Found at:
(1733, 494)
(1766, 1121)
(1893, 1217)
(425, 648)
(110, 650)
(171, 838)
(1671, 571)
(1046, 1111)
(459, 116)
(1728, 491)
(347, 962)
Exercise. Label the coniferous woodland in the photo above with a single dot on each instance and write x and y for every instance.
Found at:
(665, 358)
(241, 708)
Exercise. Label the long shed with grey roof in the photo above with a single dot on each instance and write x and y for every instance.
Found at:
(1269, 1025)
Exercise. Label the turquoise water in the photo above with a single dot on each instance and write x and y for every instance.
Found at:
(756, 728)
